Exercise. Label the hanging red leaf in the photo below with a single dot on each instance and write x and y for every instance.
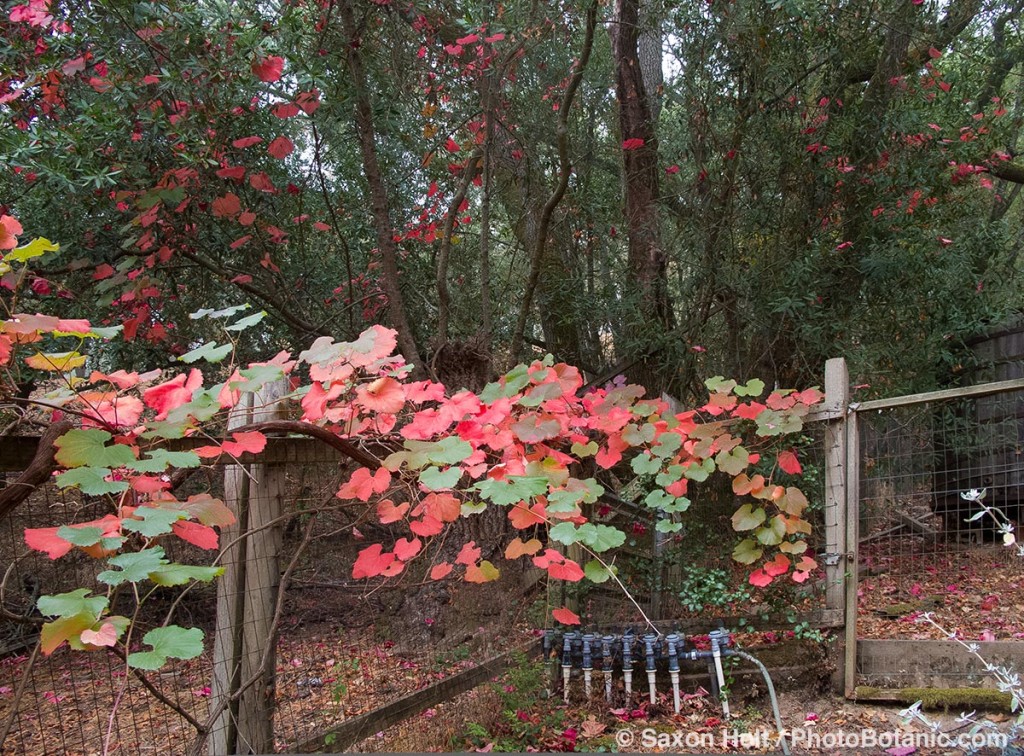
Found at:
(382, 395)
(633, 144)
(565, 616)
(789, 463)
(426, 527)
(227, 206)
(196, 533)
(469, 554)
(252, 441)
(388, 512)
(406, 549)
(567, 570)
(248, 141)
(281, 147)
(778, 566)
(440, 571)
(285, 110)
(308, 101)
(173, 393)
(760, 578)
(441, 506)
(363, 484)
(523, 517)
(232, 173)
(372, 562)
(269, 69)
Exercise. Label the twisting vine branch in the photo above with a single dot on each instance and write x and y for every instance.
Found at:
(564, 171)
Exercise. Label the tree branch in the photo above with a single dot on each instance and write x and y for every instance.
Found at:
(564, 170)
(38, 471)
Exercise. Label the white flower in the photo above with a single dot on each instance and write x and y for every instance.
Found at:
(974, 494)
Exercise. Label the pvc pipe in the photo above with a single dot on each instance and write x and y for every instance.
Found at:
(649, 641)
(716, 651)
(673, 668)
(606, 665)
(627, 663)
(588, 663)
(567, 640)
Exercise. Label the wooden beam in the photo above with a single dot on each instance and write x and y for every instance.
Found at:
(850, 576)
(338, 738)
(984, 389)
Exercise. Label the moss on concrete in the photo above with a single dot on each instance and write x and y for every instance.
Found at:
(939, 698)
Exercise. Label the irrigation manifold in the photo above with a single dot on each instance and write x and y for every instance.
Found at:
(636, 657)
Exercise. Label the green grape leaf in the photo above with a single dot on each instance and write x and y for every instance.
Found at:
(167, 642)
(72, 603)
(179, 574)
(435, 479)
(92, 481)
(153, 522)
(747, 551)
(208, 351)
(159, 460)
(747, 518)
(87, 447)
(135, 566)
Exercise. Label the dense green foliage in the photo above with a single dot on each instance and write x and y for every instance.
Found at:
(832, 179)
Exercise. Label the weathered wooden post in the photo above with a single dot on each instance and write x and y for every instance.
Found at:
(837, 496)
(247, 592)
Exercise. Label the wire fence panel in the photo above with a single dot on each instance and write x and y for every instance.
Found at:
(927, 546)
(343, 647)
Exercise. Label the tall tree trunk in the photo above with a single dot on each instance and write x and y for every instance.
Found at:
(647, 259)
(378, 194)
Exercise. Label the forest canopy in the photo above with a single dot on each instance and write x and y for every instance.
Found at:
(663, 190)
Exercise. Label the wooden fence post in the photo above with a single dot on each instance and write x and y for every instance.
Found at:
(247, 592)
(834, 412)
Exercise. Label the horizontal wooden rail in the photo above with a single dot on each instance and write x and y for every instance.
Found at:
(340, 737)
(984, 389)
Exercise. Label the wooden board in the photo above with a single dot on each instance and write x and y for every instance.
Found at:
(353, 730)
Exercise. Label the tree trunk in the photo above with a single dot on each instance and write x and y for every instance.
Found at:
(648, 262)
(378, 195)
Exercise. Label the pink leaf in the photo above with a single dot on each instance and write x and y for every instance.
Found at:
(388, 512)
(269, 69)
(565, 616)
(440, 571)
(196, 533)
(469, 554)
(760, 578)
(406, 549)
(248, 141)
(371, 562)
(105, 636)
(382, 395)
(281, 147)
(789, 463)
(633, 144)
(567, 570)
(252, 441)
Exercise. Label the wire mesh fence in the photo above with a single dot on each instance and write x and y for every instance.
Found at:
(926, 543)
(688, 579)
(342, 648)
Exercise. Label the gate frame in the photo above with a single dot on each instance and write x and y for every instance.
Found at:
(842, 493)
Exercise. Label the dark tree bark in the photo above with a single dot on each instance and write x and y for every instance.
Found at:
(378, 194)
(647, 260)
